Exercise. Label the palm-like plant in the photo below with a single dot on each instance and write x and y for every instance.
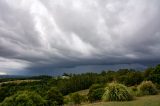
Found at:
(116, 92)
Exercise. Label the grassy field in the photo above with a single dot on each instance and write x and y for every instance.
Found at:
(83, 92)
(139, 101)
(18, 81)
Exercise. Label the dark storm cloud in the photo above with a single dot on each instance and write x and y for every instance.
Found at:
(50, 35)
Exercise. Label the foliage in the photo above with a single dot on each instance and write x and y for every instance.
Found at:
(157, 86)
(133, 90)
(148, 72)
(147, 88)
(153, 74)
(94, 87)
(96, 95)
(9, 89)
(76, 98)
(157, 69)
(77, 82)
(155, 78)
(54, 97)
(116, 92)
(24, 98)
(95, 92)
(129, 77)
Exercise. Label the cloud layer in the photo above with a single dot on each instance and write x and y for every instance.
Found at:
(40, 35)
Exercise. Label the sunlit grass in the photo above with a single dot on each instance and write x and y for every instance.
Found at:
(18, 81)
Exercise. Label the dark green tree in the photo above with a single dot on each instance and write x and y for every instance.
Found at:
(148, 72)
(54, 97)
(153, 74)
(95, 92)
(157, 69)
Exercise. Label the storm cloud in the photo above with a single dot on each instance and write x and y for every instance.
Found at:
(38, 36)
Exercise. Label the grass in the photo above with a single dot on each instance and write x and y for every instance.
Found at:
(83, 92)
(139, 101)
(18, 81)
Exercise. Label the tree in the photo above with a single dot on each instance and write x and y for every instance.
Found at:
(54, 97)
(24, 98)
(157, 69)
(131, 78)
(148, 72)
(95, 92)
(103, 73)
(153, 74)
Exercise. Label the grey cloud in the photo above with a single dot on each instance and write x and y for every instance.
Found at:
(50, 35)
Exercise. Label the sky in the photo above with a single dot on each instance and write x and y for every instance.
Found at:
(56, 36)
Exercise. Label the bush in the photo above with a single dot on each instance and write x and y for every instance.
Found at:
(95, 92)
(54, 97)
(66, 100)
(133, 90)
(94, 87)
(24, 98)
(76, 98)
(157, 86)
(147, 88)
(116, 92)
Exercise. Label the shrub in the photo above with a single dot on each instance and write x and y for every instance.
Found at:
(54, 97)
(5, 92)
(24, 98)
(116, 92)
(134, 91)
(134, 88)
(95, 86)
(66, 100)
(95, 92)
(157, 86)
(76, 98)
(147, 88)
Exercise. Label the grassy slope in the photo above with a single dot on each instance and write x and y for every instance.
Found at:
(18, 81)
(140, 101)
(83, 92)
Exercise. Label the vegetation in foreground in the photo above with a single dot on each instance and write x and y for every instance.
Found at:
(116, 92)
(24, 98)
(123, 85)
